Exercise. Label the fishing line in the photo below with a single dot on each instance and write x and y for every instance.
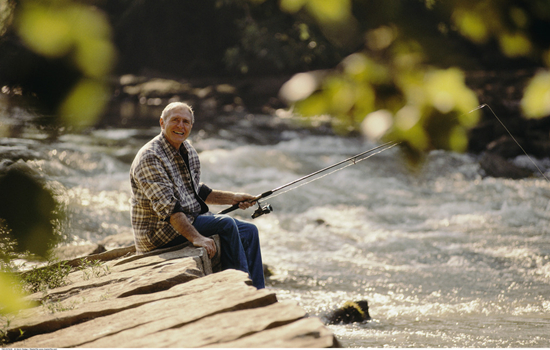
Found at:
(512, 136)
(353, 162)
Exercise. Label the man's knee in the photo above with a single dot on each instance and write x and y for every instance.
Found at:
(253, 230)
(227, 225)
(247, 226)
(248, 231)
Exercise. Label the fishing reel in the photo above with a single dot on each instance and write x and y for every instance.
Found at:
(265, 209)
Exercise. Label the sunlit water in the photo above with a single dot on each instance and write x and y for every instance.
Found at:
(445, 257)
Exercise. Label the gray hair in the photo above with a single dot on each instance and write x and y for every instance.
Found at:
(171, 107)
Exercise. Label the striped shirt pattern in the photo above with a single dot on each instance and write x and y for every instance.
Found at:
(160, 179)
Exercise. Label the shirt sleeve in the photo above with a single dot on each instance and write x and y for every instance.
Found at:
(204, 191)
(178, 208)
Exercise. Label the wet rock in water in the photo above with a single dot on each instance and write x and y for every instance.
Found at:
(497, 166)
(267, 271)
(506, 147)
(349, 313)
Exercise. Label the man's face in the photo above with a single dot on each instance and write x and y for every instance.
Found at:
(177, 126)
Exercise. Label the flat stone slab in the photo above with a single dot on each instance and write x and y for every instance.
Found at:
(304, 333)
(169, 298)
(143, 276)
(221, 292)
(219, 328)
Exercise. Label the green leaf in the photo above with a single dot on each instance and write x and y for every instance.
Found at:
(292, 6)
(314, 105)
(11, 300)
(472, 25)
(536, 98)
(515, 45)
(330, 10)
(44, 30)
(84, 103)
(458, 139)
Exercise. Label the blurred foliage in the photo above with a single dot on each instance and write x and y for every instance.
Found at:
(220, 37)
(520, 28)
(406, 82)
(273, 41)
(28, 213)
(536, 100)
(60, 51)
(215, 38)
(56, 57)
(11, 299)
(60, 56)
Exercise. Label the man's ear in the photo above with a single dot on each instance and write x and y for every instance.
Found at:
(161, 121)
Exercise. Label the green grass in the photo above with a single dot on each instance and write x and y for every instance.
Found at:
(41, 279)
(53, 275)
(93, 269)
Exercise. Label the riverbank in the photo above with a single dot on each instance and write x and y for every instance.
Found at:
(250, 109)
(138, 100)
(174, 297)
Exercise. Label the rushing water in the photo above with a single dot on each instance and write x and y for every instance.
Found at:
(445, 257)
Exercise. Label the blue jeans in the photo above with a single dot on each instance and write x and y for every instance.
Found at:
(240, 244)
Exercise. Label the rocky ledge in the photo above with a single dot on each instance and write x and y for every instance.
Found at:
(170, 298)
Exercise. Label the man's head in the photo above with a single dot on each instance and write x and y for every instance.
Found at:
(176, 122)
(173, 106)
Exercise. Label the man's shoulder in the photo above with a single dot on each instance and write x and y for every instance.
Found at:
(152, 149)
(154, 145)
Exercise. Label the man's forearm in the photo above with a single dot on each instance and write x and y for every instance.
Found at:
(220, 197)
(244, 200)
(181, 224)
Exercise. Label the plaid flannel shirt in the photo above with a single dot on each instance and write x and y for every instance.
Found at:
(160, 180)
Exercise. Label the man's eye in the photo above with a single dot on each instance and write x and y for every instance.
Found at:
(184, 121)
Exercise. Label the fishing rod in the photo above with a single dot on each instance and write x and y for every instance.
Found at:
(266, 209)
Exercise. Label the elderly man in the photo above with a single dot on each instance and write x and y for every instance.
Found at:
(170, 205)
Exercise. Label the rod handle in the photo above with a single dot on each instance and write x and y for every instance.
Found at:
(236, 206)
(230, 209)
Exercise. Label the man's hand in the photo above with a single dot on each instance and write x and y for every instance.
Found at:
(206, 243)
(244, 200)
(181, 224)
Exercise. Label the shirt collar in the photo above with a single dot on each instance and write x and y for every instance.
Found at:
(170, 150)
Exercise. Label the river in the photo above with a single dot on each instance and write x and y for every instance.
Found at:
(444, 256)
